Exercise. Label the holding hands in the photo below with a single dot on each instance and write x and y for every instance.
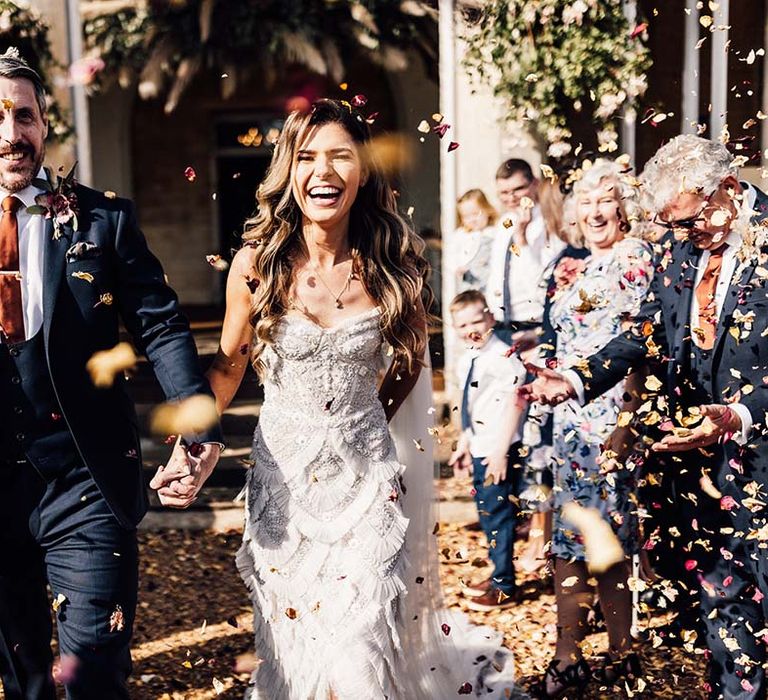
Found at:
(179, 482)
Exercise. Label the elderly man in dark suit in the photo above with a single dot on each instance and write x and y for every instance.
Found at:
(704, 318)
(71, 491)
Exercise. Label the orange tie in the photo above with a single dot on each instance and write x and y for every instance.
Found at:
(11, 309)
(705, 296)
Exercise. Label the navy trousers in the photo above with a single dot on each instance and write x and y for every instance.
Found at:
(60, 532)
(498, 517)
(734, 608)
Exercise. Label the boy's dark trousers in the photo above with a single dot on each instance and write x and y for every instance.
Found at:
(498, 517)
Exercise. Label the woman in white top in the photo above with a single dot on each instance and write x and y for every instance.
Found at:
(469, 248)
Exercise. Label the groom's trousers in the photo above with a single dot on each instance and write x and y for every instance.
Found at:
(57, 530)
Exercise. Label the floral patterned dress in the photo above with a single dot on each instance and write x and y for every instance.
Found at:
(593, 297)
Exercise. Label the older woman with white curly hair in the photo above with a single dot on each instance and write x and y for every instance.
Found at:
(592, 300)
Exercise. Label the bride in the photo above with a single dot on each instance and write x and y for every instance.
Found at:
(338, 551)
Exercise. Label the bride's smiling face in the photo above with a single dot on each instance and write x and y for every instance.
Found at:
(327, 174)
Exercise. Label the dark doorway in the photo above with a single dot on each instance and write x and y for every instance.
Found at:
(244, 144)
(238, 178)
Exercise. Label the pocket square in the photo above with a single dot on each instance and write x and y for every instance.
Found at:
(84, 250)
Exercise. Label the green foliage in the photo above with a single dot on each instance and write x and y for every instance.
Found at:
(25, 29)
(551, 60)
(164, 44)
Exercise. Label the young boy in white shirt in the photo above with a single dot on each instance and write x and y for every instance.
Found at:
(491, 428)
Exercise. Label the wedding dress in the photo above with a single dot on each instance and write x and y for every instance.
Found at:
(339, 553)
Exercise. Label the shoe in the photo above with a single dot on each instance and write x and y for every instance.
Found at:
(611, 671)
(492, 599)
(478, 589)
(555, 683)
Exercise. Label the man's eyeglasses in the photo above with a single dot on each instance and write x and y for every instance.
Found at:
(687, 224)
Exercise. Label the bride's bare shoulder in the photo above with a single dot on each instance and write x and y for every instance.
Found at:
(242, 267)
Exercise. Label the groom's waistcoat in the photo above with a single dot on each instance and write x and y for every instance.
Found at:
(31, 420)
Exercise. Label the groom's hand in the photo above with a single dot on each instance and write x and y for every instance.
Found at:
(179, 482)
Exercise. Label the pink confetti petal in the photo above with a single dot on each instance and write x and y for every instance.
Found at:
(440, 129)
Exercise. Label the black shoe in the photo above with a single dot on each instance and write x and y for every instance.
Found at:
(611, 671)
(555, 682)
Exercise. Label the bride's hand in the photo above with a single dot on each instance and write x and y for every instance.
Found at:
(179, 482)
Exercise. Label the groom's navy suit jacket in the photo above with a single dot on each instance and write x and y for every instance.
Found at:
(121, 280)
(739, 367)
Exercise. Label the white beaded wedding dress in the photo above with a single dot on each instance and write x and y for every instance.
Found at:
(338, 550)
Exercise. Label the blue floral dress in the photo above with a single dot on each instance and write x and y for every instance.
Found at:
(587, 313)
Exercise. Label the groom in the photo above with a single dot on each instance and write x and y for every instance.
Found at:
(704, 318)
(71, 491)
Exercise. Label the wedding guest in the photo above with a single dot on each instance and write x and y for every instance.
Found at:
(469, 248)
(521, 250)
(704, 314)
(591, 301)
(490, 439)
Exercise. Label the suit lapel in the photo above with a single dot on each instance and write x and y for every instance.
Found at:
(742, 275)
(689, 263)
(54, 256)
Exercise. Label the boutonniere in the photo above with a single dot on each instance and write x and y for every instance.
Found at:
(58, 200)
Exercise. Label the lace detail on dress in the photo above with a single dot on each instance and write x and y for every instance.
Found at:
(322, 551)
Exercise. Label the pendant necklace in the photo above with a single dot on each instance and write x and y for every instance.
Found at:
(336, 297)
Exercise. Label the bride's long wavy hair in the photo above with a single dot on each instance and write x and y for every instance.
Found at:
(387, 255)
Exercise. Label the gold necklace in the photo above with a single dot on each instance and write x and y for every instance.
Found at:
(336, 297)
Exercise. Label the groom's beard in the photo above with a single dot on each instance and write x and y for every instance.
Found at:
(22, 177)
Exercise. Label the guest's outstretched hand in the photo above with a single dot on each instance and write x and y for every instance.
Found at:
(179, 482)
(548, 387)
(719, 422)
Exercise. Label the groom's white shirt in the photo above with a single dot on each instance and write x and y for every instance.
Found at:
(31, 253)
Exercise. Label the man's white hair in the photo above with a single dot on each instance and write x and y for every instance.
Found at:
(617, 173)
(687, 163)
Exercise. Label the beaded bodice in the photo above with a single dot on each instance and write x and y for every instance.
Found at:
(321, 379)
